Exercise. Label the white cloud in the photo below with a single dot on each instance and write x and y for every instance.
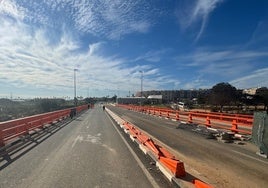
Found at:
(196, 13)
(152, 56)
(93, 48)
(257, 78)
(10, 8)
(29, 60)
(107, 18)
(225, 65)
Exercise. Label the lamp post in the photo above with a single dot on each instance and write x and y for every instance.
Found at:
(141, 84)
(75, 99)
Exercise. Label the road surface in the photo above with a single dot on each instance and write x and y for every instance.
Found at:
(224, 165)
(88, 152)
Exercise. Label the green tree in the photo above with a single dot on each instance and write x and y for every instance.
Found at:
(202, 98)
(223, 94)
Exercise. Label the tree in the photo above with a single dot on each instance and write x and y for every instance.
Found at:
(114, 98)
(202, 98)
(223, 94)
(262, 96)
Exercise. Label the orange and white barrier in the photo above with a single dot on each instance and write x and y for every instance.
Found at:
(165, 161)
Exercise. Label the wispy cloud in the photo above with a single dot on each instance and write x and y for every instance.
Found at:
(190, 13)
(257, 78)
(152, 56)
(206, 56)
(108, 18)
(30, 60)
(259, 36)
(10, 8)
(226, 65)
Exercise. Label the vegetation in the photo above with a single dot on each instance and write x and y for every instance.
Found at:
(10, 109)
(17, 109)
(225, 96)
(221, 97)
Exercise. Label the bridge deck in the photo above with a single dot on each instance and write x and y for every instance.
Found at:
(88, 152)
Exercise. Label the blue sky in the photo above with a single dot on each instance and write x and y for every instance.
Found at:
(178, 44)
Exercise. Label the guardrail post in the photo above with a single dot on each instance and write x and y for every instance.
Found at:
(168, 114)
(234, 126)
(190, 118)
(208, 123)
(1, 139)
(177, 116)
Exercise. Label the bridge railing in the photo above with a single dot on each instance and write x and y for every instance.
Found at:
(236, 123)
(15, 128)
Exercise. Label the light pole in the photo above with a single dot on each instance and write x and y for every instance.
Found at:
(75, 99)
(141, 84)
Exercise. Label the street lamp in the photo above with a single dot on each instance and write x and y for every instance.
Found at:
(141, 84)
(75, 99)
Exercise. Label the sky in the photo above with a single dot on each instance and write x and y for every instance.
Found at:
(112, 44)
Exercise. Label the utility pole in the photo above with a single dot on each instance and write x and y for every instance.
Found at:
(141, 85)
(75, 99)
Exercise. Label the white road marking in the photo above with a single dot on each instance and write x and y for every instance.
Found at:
(249, 156)
(94, 140)
(78, 138)
(109, 148)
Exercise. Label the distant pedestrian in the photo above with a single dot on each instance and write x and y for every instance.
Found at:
(103, 107)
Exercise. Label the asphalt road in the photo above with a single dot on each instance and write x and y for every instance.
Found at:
(224, 165)
(88, 152)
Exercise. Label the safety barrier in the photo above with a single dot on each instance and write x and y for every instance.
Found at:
(12, 129)
(167, 163)
(201, 184)
(174, 165)
(236, 123)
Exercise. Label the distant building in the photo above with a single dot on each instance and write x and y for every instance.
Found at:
(174, 95)
(130, 100)
(250, 91)
(154, 99)
(159, 97)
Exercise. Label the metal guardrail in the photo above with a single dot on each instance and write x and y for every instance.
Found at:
(12, 129)
(236, 123)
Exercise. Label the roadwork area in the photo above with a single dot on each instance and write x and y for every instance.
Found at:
(222, 164)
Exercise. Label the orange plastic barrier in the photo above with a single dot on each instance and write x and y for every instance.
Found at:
(201, 184)
(236, 123)
(18, 127)
(167, 159)
(167, 163)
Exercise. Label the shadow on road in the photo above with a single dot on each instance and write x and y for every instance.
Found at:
(21, 146)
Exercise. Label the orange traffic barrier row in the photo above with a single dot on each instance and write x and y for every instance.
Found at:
(226, 114)
(12, 129)
(161, 155)
(168, 160)
(235, 123)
